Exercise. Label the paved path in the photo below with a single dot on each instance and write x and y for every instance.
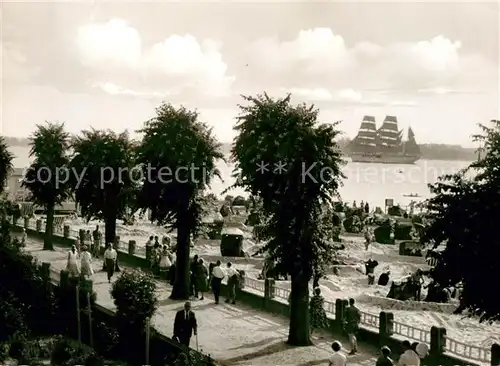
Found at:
(231, 334)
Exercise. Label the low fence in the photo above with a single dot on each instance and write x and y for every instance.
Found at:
(375, 328)
(84, 318)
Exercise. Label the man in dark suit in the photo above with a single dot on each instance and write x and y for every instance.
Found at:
(185, 325)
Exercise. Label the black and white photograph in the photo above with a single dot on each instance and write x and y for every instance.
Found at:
(219, 183)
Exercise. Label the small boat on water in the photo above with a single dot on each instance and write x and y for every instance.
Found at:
(412, 195)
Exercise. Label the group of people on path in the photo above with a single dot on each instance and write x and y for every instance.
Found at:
(92, 241)
(202, 277)
(80, 258)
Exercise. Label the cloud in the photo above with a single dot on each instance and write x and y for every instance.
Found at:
(174, 64)
(320, 59)
(14, 65)
(114, 89)
(345, 97)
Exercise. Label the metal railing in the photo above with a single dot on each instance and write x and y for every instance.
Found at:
(282, 293)
(411, 332)
(452, 346)
(254, 284)
(467, 351)
(329, 307)
(370, 320)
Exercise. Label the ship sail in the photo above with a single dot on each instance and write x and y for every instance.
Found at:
(389, 135)
(365, 140)
(384, 145)
(411, 146)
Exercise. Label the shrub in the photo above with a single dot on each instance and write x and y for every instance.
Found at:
(12, 318)
(28, 352)
(134, 294)
(24, 288)
(67, 352)
(194, 359)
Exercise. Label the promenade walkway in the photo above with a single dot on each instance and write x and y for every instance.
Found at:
(231, 334)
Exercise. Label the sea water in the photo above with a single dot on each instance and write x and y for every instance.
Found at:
(368, 182)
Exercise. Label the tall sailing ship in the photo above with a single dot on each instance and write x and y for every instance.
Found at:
(384, 145)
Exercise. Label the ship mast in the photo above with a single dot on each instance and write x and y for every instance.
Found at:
(365, 140)
(389, 134)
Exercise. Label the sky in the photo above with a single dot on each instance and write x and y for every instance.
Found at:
(107, 65)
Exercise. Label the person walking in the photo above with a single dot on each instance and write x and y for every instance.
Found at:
(185, 325)
(232, 281)
(385, 357)
(149, 249)
(193, 291)
(418, 281)
(85, 263)
(353, 317)
(201, 278)
(165, 260)
(72, 264)
(110, 256)
(338, 358)
(97, 236)
(217, 277)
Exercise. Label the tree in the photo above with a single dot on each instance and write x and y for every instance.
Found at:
(5, 164)
(104, 183)
(178, 156)
(293, 164)
(48, 175)
(461, 210)
(134, 295)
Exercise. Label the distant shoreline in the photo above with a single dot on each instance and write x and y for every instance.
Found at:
(442, 152)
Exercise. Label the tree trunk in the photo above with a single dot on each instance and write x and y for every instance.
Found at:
(180, 291)
(298, 333)
(49, 227)
(109, 228)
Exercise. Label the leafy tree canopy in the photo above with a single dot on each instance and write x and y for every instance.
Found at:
(104, 178)
(5, 164)
(178, 156)
(274, 134)
(47, 177)
(462, 211)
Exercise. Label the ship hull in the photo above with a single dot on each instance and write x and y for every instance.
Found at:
(383, 158)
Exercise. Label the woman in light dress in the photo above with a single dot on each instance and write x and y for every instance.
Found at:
(85, 263)
(165, 259)
(72, 266)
